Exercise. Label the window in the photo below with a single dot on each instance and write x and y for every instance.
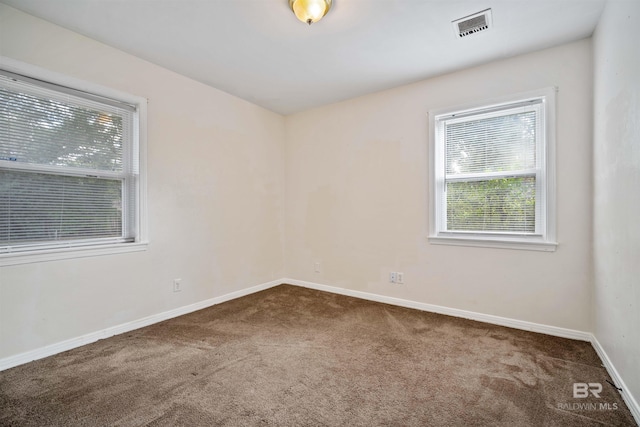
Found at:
(492, 174)
(70, 175)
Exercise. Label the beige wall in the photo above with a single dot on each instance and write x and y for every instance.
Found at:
(617, 189)
(215, 195)
(356, 192)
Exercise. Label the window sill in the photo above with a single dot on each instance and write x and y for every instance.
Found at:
(17, 258)
(519, 244)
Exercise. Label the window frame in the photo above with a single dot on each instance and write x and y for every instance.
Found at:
(89, 247)
(544, 238)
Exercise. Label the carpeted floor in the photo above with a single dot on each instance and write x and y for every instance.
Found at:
(293, 356)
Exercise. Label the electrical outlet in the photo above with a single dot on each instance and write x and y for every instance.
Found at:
(316, 266)
(396, 277)
(177, 285)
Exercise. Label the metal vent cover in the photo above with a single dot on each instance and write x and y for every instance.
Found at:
(472, 24)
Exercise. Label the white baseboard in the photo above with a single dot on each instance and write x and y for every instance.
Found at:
(49, 350)
(487, 318)
(631, 402)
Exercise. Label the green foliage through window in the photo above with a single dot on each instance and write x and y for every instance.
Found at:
(501, 205)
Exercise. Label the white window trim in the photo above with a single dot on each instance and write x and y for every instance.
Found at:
(88, 250)
(546, 239)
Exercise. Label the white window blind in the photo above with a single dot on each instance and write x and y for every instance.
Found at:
(490, 172)
(68, 167)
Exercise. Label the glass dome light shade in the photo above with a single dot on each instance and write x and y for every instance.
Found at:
(310, 11)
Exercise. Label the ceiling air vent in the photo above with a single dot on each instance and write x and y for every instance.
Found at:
(472, 24)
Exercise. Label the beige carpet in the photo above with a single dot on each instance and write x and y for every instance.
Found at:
(293, 356)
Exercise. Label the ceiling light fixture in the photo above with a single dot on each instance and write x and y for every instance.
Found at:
(310, 11)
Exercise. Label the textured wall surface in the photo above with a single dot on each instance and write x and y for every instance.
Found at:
(357, 196)
(617, 189)
(215, 196)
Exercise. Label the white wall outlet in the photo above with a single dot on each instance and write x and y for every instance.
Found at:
(177, 285)
(316, 266)
(396, 277)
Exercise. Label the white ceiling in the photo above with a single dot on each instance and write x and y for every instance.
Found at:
(258, 51)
